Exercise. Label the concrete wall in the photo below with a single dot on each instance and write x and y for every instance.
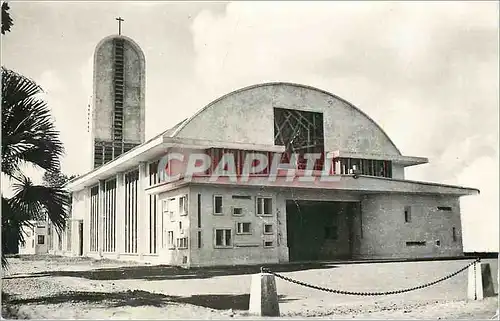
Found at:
(31, 234)
(398, 171)
(246, 116)
(385, 233)
(174, 255)
(134, 99)
(246, 249)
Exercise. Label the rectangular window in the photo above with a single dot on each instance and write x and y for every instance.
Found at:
(243, 228)
(416, 243)
(454, 234)
(444, 208)
(264, 206)
(217, 205)
(199, 210)
(242, 197)
(41, 239)
(237, 211)
(199, 239)
(170, 243)
(268, 243)
(171, 207)
(223, 238)
(183, 207)
(268, 229)
(331, 233)
(182, 243)
(407, 214)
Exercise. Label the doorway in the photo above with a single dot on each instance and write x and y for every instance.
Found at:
(320, 230)
(80, 238)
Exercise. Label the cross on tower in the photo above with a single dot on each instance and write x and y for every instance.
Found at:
(119, 19)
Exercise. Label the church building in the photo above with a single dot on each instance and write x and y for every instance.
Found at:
(364, 209)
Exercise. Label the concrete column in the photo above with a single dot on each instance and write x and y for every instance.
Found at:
(101, 218)
(142, 214)
(120, 214)
(86, 224)
(264, 296)
(480, 282)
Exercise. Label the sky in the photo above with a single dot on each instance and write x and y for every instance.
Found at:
(427, 73)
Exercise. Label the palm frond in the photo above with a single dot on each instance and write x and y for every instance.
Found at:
(6, 19)
(28, 131)
(35, 202)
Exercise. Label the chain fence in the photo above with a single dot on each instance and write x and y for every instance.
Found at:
(320, 288)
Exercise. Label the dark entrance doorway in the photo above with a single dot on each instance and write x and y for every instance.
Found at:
(80, 237)
(318, 230)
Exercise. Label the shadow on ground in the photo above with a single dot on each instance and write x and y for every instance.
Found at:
(143, 298)
(163, 272)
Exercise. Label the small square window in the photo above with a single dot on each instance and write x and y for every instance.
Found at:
(264, 206)
(217, 205)
(237, 211)
(41, 239)
(268, 229)
(268, 243)
(243, 228)
(182, 243)
(223, 238)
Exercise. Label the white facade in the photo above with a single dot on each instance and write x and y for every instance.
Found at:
(121, 211)
(35, 238)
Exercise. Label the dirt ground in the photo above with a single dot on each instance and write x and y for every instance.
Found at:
(79, 288)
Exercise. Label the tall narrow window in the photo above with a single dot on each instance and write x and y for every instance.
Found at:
(109, 215)
(407, 214)
(183, 208)
(170, 242)
(454, 232)
(217, 204)
(199, 239)
(131, 205)
(153, 212)
(94, 222)
(199, 210)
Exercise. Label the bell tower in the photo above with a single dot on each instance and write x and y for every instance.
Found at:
(118, 115)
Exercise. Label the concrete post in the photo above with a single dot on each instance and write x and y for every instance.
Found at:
(142, 213)
(480, 282)
(264, 296)
(120, 214)
(101, 218)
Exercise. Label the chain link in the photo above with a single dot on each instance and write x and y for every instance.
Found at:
(266, 270)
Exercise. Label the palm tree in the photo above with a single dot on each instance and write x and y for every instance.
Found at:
(28, 137)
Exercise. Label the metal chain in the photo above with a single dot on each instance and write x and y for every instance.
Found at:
(266, 270)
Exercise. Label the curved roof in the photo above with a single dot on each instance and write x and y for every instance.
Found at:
(129, 40)
(214, 102)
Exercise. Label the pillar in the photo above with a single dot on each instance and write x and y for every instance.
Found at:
(480, 281)
(263, 296)
(142, 214)
(101, 218)
(120, 214)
